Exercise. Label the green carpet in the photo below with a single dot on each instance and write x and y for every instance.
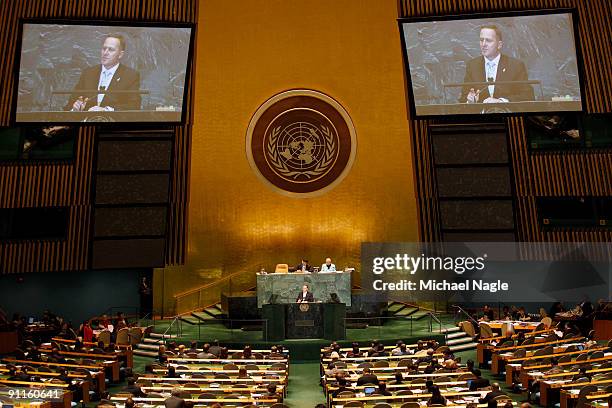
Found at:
(304, 390)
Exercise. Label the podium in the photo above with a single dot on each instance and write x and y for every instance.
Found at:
(304, 321)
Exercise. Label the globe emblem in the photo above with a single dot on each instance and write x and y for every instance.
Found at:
(301, 143)
(302, 151)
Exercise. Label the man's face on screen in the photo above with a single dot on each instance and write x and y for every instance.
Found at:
(111, 52)
(490, 46)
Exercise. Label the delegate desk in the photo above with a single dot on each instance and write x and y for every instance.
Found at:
(305, 321)
(285, 287)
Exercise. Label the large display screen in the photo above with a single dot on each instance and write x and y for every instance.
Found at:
(102, 73)
(493, 64)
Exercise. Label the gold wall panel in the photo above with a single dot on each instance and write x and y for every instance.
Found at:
(248, 51)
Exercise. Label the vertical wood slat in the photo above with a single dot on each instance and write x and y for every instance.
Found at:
(30, 184)
(535, 174)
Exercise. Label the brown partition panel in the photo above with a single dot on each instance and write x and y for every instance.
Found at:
(132, 189)
(128, 253)
(475, 148)
(477, 214)
(137, 155)
(474, 182)
(130, 221)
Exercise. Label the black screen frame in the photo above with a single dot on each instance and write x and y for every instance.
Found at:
(189, 70)
(498, 14)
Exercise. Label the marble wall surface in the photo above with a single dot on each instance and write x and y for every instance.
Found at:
(287, 286)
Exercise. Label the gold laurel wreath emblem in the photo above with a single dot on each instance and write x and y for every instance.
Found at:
(281, 168)
(304, 307)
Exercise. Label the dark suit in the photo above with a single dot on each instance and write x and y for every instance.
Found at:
(309, 297)
(479, 383)
(367, 379)
(298, 268)
(174, 402)
(124, 79)
(488, 399)
(509, 69)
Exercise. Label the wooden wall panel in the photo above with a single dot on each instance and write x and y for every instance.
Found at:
(43, 184)
(581, 173)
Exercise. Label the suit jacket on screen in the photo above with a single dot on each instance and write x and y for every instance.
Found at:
(509, 69)
(124, 79)
(309, 297)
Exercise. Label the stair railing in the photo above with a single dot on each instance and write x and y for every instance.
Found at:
(210, 293)
(432, 317)
(179, 328)
(470, 318)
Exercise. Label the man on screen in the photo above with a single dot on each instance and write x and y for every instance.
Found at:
(305, 295)
(111, 76)
(495, 66)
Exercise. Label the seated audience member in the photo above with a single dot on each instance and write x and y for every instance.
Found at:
(215, 349)
(367, 377)
(398, 378)
(490, 397)
(448, 355)
(355, 352)
(243, 373)
(67, 332)
(436, 397)
(487, 314)
(429, 384)
(100, 348)
(171, 372)
(332, 370)
(382, 389)
(132, 388)
(19, 376)
(522, 315)
(271, 390)
(400, 350)
(161, 354)
(247, 353)
(478, 382)
(582, 373)
(342, 386)
(55, 356)
(275, 353)
(129, 403)
(223, 353)
(432, 367)
(120, 322)
(557, 307)
(469, 366)
(506, 314)
(205, 353)
(428, 357)
(86, 331)
(175, 401)
(450, 365)
(193, 348)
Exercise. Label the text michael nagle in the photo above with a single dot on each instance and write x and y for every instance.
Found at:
(407, 264)
(443, 285)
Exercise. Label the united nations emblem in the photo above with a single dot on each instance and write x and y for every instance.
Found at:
(304, 307)
(301, 142)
